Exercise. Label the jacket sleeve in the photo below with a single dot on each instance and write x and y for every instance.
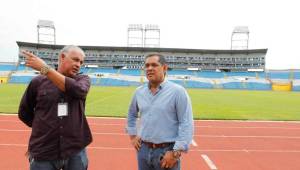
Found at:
(78, 87)
(27, 105)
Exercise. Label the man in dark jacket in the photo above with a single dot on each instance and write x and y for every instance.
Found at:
(53, 105)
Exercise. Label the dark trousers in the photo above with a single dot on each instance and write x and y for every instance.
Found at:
(75, 162)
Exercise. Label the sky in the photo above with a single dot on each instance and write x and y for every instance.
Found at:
(194, 24)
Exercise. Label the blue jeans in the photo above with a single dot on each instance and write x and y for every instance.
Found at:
(149, 159)
(78, 161)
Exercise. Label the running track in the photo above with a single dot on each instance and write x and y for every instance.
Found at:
(222, 145)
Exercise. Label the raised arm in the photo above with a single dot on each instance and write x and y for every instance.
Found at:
(38, 64)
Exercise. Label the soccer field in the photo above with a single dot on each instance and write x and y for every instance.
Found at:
(207, 103)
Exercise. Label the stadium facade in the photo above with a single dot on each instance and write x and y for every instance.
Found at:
(133, 57)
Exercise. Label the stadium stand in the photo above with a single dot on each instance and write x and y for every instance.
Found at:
(296, 85)
(7, 67)
(186, 78)
(221, 69)
(6, 70)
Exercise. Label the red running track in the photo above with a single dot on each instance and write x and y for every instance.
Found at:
(222, 145)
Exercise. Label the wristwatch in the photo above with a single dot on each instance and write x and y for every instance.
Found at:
(45, 69)
(176, 154)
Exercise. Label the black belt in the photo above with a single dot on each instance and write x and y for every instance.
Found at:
(157, 145)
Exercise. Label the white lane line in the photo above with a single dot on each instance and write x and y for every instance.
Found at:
(109, 124)
(91, 118)
(8, 114)
(194, 143)
(209, 162)
(13, 144)
(213, 136)
(213, 127)
(105, 118)
(245, 150)
(109, 148)
(100, 133)
(192, 150)
(89, 147)
(244, 136)
(251, 121)
(243, 127)
(15, 121)
(15, 130)
(238, 121)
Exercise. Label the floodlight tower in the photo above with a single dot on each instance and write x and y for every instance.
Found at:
(46, 32)
(152, 36)
(240, 38)
(135, 35)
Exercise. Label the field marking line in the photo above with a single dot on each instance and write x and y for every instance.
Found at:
(107, 124)
(203, 136)
(14, 130)
(101, 133)
(243, 127)
(15, 121)
(245, 150)
(194, 143)
(192, 150)
(217, 127)
(89, 147)
(244, 136)
(209, 162)
(8, 114)
(13, 144)
(109, 148)
(97, 117)
(239, 121)
(251, 121)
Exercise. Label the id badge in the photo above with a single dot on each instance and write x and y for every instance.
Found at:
(62, 109)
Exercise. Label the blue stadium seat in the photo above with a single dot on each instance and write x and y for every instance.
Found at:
(21, 79)
(7, 67)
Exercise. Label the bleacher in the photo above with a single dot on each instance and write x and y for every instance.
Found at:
(259, 86)
(202, 74)
(197, 84)
(131, 72)
(186, 78)
(296, 85)
(7, 67)
(21, 79)
(278, 75)
(87, 70)
(22, 67)
(296, 75)
(5, 71)
(113, 82)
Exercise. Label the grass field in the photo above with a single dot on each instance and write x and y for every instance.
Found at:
(207, 103)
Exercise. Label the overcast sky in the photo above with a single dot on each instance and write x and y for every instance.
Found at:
(199, 24)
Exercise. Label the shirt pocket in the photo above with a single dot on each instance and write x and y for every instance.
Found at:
(46, 97)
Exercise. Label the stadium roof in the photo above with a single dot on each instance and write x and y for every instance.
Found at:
(144, 49)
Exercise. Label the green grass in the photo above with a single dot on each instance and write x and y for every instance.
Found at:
(10, 96)
(207, 103)
(109, 101)
(245, 105)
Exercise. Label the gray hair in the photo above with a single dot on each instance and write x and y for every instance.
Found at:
(68, 48)
(161, 59)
